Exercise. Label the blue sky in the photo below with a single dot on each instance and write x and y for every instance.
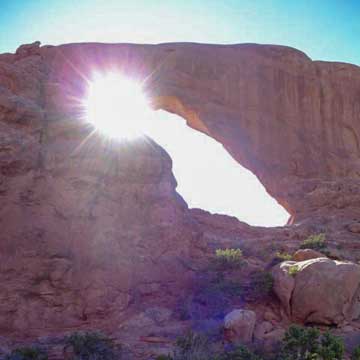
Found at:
(207, 176)
(324, 29)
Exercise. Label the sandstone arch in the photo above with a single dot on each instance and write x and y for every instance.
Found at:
(278, 113)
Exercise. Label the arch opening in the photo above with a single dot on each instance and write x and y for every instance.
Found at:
(209, 178)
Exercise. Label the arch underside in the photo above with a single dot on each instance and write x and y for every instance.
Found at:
(90, 234)
(291, 121)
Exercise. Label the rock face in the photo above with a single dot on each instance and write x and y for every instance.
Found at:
(239, 325)
(84, 222)
(307, 254)
(262, 329)
(321, 290)
(82, 225)
(292, 121)
(93, 233)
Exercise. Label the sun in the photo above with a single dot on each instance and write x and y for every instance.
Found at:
(116, 106)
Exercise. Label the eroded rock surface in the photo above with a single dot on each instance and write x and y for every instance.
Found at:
(93, 233)
(319, 291)
(83, 227)
(307, 254)
(239, 325)
(292, 121)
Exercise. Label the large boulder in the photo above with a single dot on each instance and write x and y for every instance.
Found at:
(354, 227)
(283, 284)
(307, 254)
(321, 290)
(262, 329)
(239, 325)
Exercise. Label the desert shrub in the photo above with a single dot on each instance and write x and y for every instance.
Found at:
(91, 346)
(192, 346)
(331, 347)
(301, 343)
(283, 256)
(212, 297)
(315, 242)
(293, 270)
(226, 287)
(215, 288)
(184, 307)
(228, 259)
(27, 353)
(240, 352)
(356, 354)
(261, 284)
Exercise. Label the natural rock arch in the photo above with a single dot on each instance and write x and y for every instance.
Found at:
(83, 241)
(278, 113)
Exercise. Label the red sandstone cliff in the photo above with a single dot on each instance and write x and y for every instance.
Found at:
(93, 234)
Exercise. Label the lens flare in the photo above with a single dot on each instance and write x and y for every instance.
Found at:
(116, 106)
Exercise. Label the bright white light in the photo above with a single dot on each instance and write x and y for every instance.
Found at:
(116, 106)
(210, 179)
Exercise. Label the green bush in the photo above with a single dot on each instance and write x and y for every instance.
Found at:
(226, 287)
(194, 346)
(238, 353)
(212, 297)
(293, 270)
(283, 256)
(356, 354)
(315, 242)
(261, 285)
(331, 347)
(27, 353)
(301, 343)
(191, 346)
(91, 346)
(228, 259)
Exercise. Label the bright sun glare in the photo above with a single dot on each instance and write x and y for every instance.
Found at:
(116, 106)
(118, 109)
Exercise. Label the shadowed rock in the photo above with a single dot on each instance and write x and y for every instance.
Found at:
(320, 291)
(93, 233)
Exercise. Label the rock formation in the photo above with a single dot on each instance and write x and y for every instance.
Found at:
(93, 233)
(319, 291)
(306, 254)
(239, 325)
